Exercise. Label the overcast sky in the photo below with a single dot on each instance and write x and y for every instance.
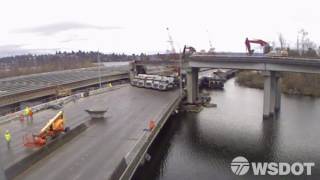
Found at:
(134, 26)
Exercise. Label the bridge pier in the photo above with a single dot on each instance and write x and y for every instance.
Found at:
(272, 94)
(192, 85)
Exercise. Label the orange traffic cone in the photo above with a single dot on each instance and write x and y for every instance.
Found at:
(152, 125)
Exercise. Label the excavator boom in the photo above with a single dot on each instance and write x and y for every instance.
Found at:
(264, 44)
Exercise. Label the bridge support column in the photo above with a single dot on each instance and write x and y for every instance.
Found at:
(192, 85)
(271, 98)
(278, 94)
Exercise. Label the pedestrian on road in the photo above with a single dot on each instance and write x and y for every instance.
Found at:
(7, 136)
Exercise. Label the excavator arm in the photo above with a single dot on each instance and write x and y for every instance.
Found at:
(264, 44)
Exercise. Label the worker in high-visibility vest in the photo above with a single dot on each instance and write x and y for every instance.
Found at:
(7, 137)
(26, 112)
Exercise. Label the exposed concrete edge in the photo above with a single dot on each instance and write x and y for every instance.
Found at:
(137, 154)
(107, 89)
(23, 164)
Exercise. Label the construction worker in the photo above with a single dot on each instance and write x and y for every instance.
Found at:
(26, 112)
(7, 137)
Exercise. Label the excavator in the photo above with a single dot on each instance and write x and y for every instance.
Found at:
(52, 129)
(264, 44)
(267, 49)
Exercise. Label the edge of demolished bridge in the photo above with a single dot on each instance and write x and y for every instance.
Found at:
(129, 164)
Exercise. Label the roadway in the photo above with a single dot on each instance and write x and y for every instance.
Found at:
(96, 152)
(24, 88)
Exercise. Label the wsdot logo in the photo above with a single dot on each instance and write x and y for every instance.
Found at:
(240, 165)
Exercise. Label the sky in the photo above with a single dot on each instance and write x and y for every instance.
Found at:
(139, 26)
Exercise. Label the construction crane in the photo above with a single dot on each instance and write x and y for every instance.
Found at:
(52, 129)
(211, 50)
(170, 41)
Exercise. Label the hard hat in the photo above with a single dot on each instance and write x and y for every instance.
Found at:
(7, 131)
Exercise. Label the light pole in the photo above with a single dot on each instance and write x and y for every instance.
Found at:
(180, 73)
(99, 70)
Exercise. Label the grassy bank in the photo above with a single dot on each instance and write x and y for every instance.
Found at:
(291, 83)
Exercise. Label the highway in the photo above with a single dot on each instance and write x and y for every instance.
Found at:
(94, 153)
(24, 88)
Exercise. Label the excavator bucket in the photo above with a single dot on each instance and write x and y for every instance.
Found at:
(31, 141)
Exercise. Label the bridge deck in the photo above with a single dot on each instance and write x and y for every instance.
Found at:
(15, 85)
(95, 153)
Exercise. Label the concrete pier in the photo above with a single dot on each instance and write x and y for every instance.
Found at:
(192, 85)
(272, 94)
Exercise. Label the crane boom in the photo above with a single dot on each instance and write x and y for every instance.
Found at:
(173, 50)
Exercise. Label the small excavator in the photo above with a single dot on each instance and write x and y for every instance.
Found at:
(267, 49)
(52, 129)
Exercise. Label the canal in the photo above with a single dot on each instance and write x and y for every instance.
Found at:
(201, 146)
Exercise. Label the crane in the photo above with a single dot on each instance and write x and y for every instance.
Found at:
(211, 50)
(173, 51)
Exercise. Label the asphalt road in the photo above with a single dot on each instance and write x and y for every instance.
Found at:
(96, 152)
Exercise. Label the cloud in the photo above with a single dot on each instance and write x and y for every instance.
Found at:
(51, 29)
(18, 49)
(72, 39)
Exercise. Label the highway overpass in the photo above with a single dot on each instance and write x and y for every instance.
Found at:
(270, 66)
(23, 88)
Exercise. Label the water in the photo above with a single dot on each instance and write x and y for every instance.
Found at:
(201, 146)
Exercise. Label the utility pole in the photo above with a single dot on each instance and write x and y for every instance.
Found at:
(99, 69)
(180, 73)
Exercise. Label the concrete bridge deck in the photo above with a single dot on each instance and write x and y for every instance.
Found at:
(95, 153)
(23, 88)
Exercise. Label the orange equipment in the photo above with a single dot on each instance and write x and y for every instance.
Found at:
(152, 125)
(52, 129)
(265, 45)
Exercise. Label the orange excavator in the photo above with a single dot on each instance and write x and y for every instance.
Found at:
(52, 129)
(264, 44)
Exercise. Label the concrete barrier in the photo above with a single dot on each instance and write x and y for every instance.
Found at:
(39, 154)
(137, 154)
(116, 174)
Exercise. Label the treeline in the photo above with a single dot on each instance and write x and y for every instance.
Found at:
(30, 64)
